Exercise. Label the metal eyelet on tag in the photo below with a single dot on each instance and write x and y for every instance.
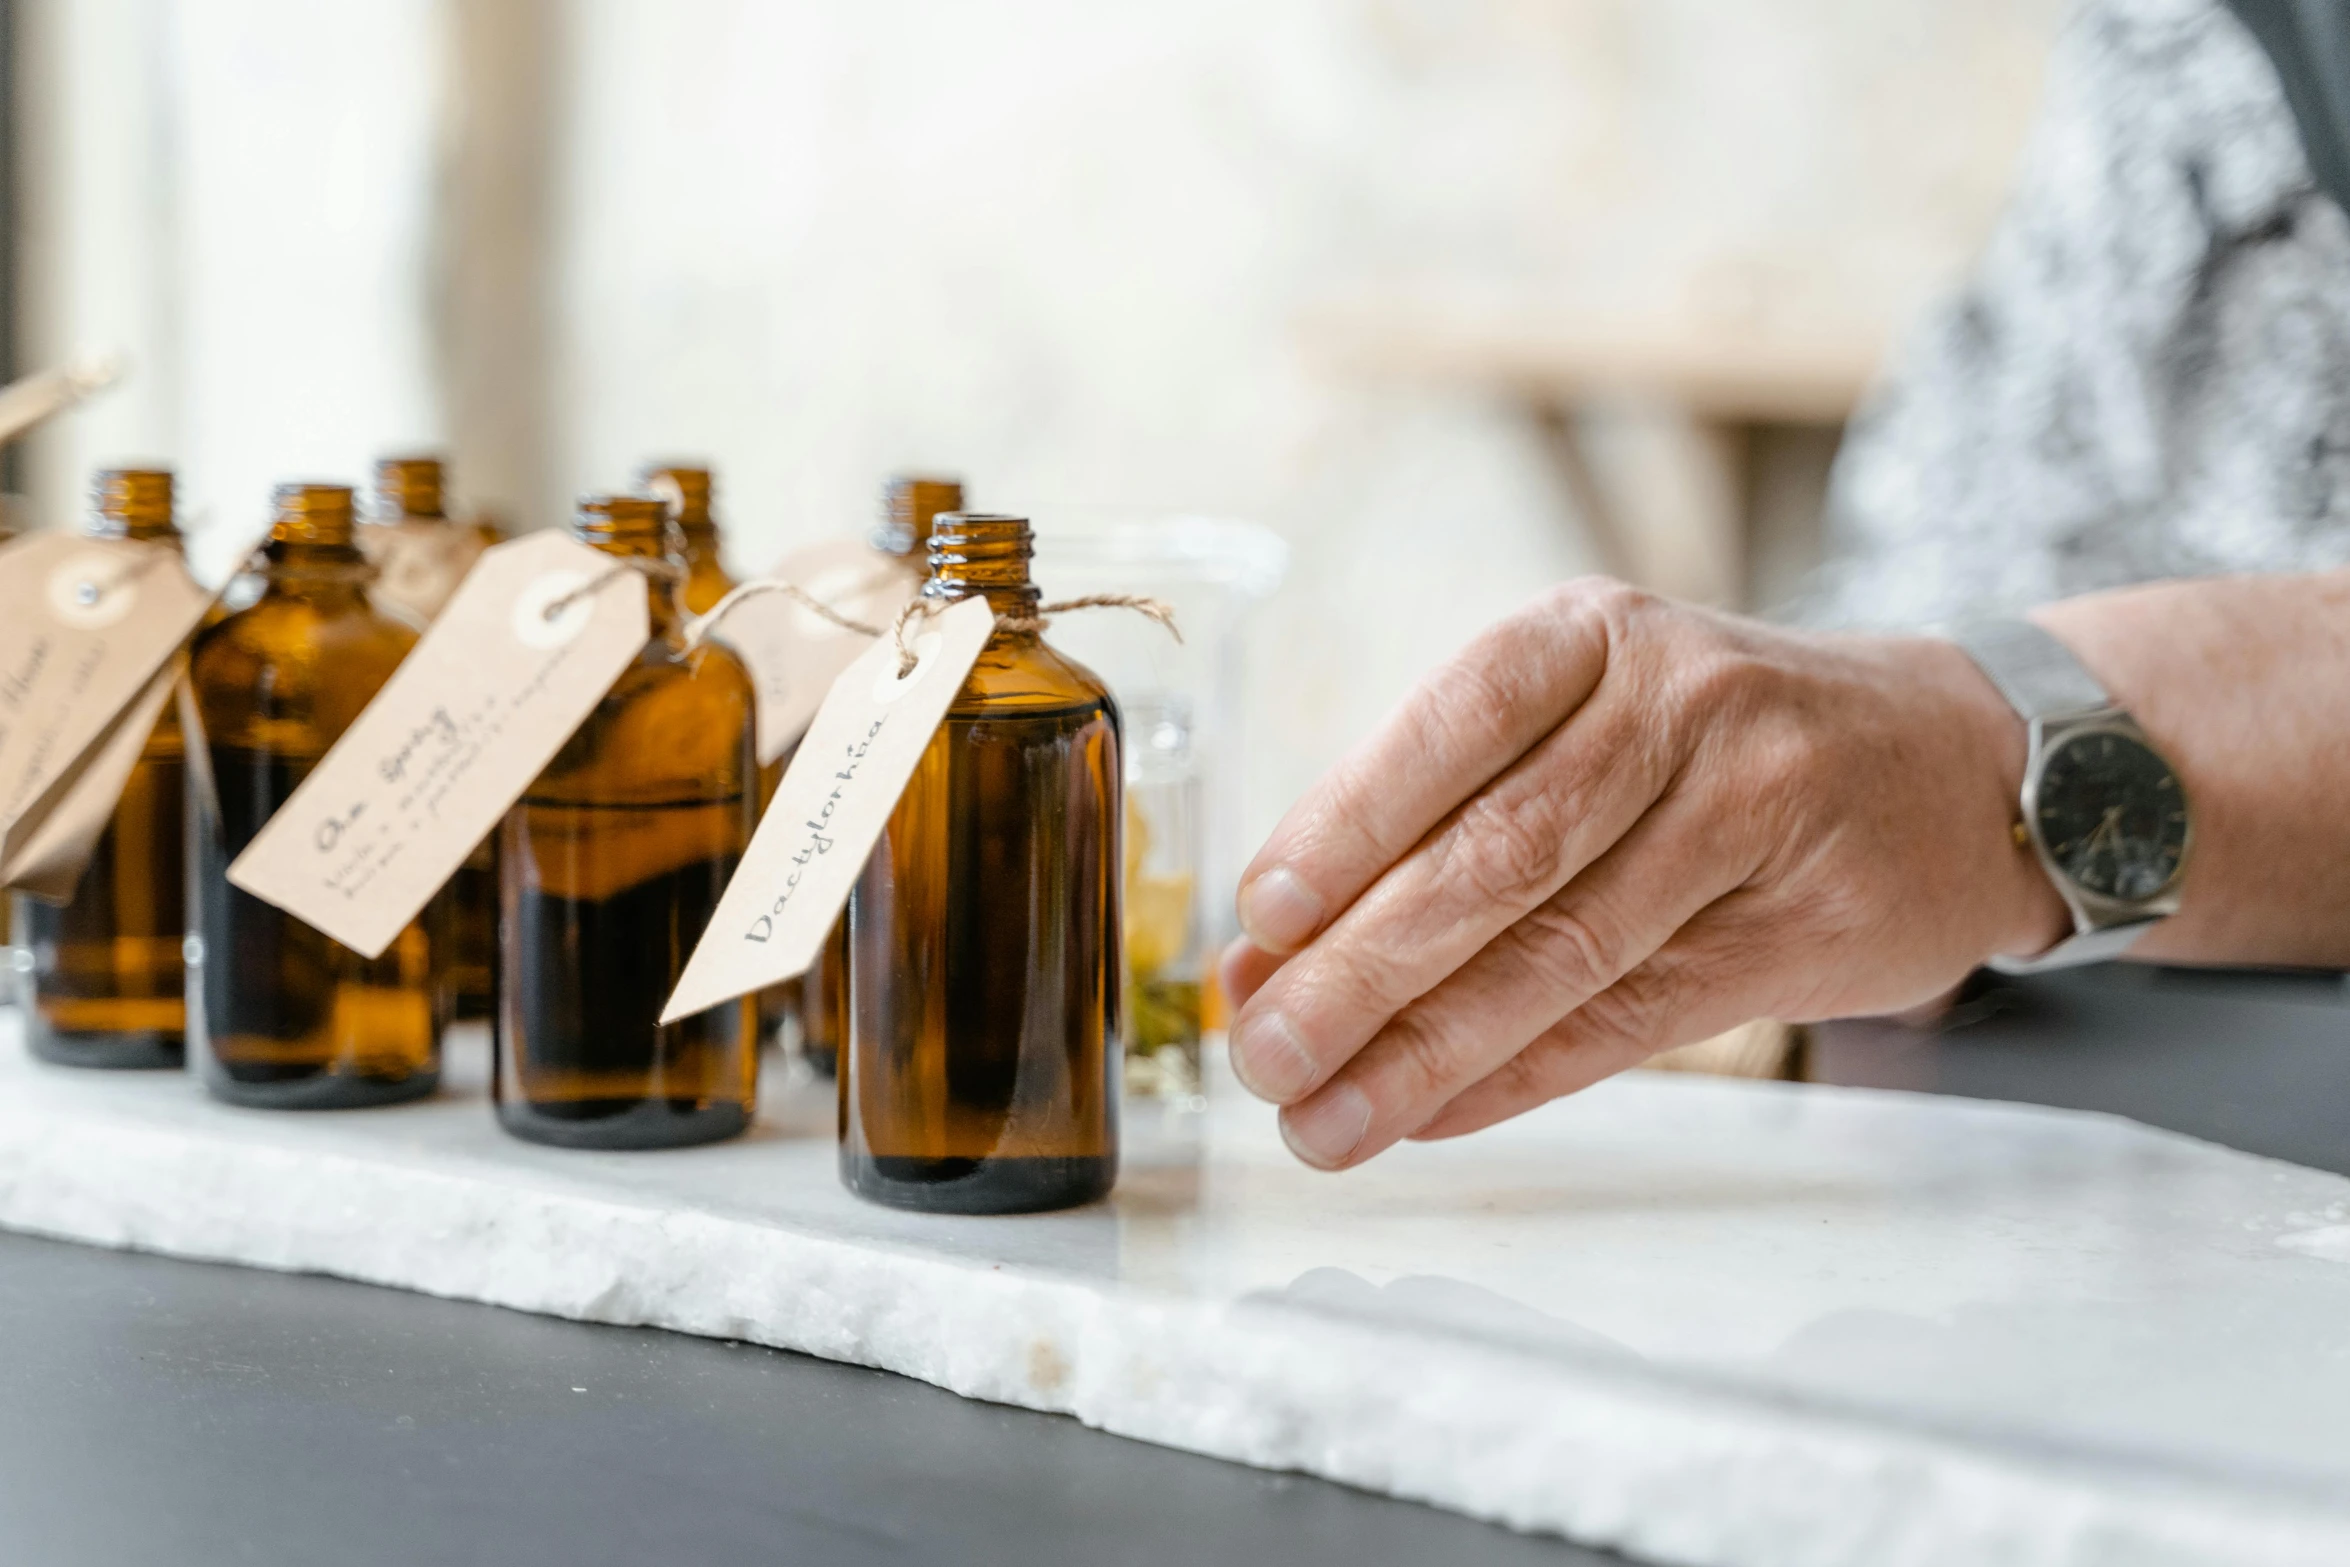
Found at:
(534, 627)
(92, 590)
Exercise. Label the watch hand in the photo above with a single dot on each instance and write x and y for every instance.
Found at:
(2084, 856)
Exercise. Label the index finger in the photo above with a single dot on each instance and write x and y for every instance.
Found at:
(1461, 728)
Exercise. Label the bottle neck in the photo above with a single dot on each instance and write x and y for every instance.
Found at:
(977, 553)
(630, 529)
(698, 544)
(313, 549)
(689, 492)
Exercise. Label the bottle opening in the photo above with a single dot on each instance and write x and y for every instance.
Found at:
(311, 514)
(627, 525)
(411, 487)
(982, 552)
(908, 508)
(132, 503)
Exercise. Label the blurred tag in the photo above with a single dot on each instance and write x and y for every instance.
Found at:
(473, 714)
(834, 802)
(85, 626)
(418, 565)
(795, 654)
(57, 850)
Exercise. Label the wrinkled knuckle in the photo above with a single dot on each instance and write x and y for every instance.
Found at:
(1424, 1060)
(1352, 978)
(1565, 953)
(1620, 1014)
(1476, 699)
(1512, 856)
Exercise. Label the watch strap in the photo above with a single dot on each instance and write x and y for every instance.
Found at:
(2083, 946)
(2036, 673)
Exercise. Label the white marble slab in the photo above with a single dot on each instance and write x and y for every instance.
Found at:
(1707, 1322)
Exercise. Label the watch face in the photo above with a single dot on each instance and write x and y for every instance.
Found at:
(2112, 815)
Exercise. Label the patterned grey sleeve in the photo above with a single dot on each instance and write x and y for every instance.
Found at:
(2148, 374)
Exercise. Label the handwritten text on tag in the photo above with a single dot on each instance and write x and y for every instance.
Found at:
(835, 800)
(517, 661)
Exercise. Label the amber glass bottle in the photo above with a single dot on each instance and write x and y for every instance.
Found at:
(908, 507)
(688, 487)
(108, 988)
(610, 866)
(689, 490)
(411, 495)
(280, 1016)
(979, 1074)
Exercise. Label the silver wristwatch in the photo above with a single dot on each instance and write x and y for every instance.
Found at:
(2105, 812)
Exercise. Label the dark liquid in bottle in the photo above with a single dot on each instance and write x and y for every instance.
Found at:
(824, 1001)
(473, 964)
(979, 1075)
(109, 989)
(603, 905)
(287, 1018)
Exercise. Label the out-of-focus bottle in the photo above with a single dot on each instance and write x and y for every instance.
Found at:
(908, 507)
(980, 1074)
(1164, 959)
(610, 866)
(421, 554)
(419, 551)
(107, 988)
(281, 1016)
(690, 490)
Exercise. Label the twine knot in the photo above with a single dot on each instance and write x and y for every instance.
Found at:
(923, 609)
(642, 565)
(703, 626)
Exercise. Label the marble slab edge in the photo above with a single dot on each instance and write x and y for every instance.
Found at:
(1667, 1468)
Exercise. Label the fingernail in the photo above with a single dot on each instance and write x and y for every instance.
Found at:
(1328, 1127)
(1270, 1059)
(1279, 911)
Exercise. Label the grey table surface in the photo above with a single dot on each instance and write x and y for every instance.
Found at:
(161, 1411)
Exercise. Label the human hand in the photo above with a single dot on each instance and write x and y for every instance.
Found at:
(1611, 825)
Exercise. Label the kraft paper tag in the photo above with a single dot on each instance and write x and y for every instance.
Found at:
(85, 625)
(57, 850)
(418, 564)
(793, 653)
(478, 708)
(829, 812)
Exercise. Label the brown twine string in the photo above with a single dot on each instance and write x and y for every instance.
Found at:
(923, 609)
(643, 566)
(698, 630)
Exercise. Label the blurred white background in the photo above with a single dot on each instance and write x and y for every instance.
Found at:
(1287, 262)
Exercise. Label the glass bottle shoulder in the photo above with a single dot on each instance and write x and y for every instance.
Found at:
(1022, 677)
(311, 659)
(670, 729)
(706, 582)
